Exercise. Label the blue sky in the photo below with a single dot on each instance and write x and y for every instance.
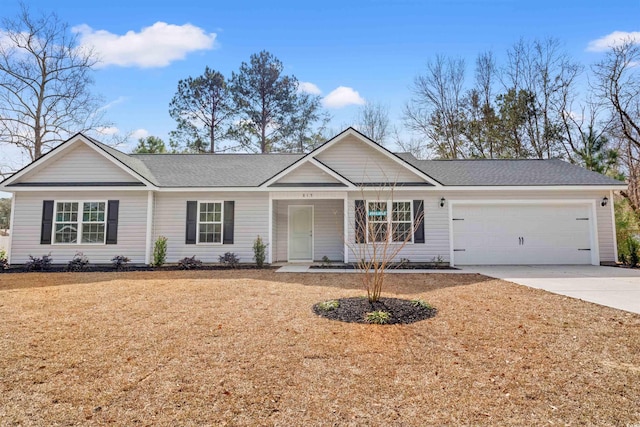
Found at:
(372, 49)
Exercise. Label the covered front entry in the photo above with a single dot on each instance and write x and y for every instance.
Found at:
(300, 233)
(537, 233)
(307, 230)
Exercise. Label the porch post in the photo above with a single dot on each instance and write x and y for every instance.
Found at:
(270, 241)
(345, 214)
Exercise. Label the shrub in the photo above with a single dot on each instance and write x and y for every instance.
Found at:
(632, 247)
(119, 262)
(160, 251)
(189, 263)
(378, 317)
(79, 262)
(4, 262)
(329, 305)
(421, 303)
(38, 264)
(259, 251)
(229, 259)
(326, 261)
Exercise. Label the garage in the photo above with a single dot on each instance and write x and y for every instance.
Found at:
(536, 233)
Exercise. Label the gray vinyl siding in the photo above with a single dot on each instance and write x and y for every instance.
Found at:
(437, 218)
(80, 164)
(307, 173)
(361, 164)
(132, 220)
(250, 220)
(328, 225)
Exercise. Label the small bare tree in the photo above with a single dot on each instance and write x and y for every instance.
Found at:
(373, 121)
(382, 227)
(44, 84)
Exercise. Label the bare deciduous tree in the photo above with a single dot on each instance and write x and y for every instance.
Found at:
(618, 81)
(44, 84)
(383, 226)
(373, 121)
(544, 71)
(435, 108)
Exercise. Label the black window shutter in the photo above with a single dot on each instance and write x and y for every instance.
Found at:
(227, 233)
(192, 222)
(361, 222)
(113, 206)
(47, 222)
(418, 221)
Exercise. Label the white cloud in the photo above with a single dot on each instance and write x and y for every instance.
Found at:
(108, 130)
(612, 40)
(154, 46)
(341, 97)
(139, 133)
(308, 87)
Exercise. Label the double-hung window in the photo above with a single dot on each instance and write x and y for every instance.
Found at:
(79, 222)
(389, 221)
(210, 222)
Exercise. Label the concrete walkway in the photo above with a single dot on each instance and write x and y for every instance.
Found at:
(610, 286)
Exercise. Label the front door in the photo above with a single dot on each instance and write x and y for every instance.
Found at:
(300, 233)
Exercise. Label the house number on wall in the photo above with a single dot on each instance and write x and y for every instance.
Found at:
(307, 195)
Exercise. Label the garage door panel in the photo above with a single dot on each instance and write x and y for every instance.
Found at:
(521, 234)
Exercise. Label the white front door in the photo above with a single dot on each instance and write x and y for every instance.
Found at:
(521, 234)
(300, 233)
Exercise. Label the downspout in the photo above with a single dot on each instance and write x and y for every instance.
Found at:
(150, 206)
(11, 225)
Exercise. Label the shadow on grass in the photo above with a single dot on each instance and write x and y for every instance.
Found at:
(394, 283)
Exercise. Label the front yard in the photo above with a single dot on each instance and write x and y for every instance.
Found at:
(245, 348)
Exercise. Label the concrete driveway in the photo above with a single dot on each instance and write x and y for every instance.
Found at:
(610, 286)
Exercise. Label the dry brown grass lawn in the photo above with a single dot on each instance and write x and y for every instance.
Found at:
(244, 348)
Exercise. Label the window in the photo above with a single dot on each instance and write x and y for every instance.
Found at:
(397, 227)
(210, 222)
(80, 222)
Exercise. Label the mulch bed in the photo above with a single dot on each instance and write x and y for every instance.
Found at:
(354, 310)
(108, 268)
(412, 266)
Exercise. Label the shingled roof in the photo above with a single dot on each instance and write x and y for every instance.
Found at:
(508, 172)
(214, 170)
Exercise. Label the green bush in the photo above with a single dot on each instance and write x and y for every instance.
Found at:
(378, 317)
(421, 303)
(160, 251)
(259, 251)
(4, 262)
(632, 248)
(329, 305)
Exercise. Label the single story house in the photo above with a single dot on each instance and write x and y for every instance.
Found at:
(84, 196)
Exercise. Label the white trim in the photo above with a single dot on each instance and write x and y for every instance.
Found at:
(593, 237)
(77, 188)
(79, 222)
(533, 188)
(65, 146)
(390, 220)
(119, 164)
(270, 232)
(613, 228)
(313, 234)
(336, 190)
(44, 159)
(314, 162)
(11, 226)
(346, 229)
(221, 222)
(352, 132)
(149, 237)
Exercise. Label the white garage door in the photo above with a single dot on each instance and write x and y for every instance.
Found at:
(521, 234)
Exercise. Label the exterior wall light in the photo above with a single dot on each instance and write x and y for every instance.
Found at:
(442, 202)
(605, 200)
